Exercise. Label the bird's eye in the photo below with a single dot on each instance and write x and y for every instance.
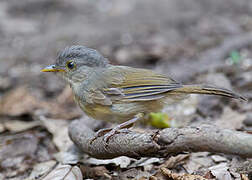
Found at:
(70, 64)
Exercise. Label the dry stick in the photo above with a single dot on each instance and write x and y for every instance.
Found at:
(166, 142)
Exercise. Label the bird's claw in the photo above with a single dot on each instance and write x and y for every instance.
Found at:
(114, 131)
(107, 133)
(100, 133)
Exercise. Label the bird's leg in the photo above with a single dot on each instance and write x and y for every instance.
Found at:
(107, 133)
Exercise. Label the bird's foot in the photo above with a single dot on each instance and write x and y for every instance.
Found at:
(100, 133)
(114, 131)
(107, 133)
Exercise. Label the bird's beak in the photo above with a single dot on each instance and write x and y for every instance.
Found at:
(52, 68)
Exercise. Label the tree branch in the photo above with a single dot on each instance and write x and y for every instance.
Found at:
(162, 143)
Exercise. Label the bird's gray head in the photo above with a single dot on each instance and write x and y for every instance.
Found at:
(77, 59)
(80, 56)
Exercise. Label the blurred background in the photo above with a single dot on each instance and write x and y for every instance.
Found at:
(193, 41)
(176, 37)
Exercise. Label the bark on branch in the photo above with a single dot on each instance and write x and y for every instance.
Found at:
(162, 143)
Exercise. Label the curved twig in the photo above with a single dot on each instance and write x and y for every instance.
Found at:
(162, 143)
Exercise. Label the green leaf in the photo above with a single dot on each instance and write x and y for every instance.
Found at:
(235, 57)
(159, 120)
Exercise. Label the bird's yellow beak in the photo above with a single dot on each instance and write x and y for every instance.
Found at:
(52, 68)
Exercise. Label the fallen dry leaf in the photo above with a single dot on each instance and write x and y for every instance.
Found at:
(220, 171)
(197, 161)
(17, 153)
(58, 111)
(217, 158)
(176, 176)
(42, 169)
(65, 172)
(134, 173)
(94, 172)
(59, 129)
(14, 166)
(20, 151)
(145, 161)
(22, 144)
(18, 102)
(174, 161)
(244, 167)
(121, 161)
(209, 175)
(18, 126)
(73, 155)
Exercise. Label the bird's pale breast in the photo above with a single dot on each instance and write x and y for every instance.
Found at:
(119, 113)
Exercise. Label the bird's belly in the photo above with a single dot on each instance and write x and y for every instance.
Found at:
(117, 113)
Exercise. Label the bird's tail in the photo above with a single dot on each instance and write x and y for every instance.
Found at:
(204, 89)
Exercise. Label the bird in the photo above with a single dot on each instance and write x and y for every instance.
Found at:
(121, 94)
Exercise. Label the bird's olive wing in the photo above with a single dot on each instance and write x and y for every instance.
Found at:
(98, 97)
(133, 84)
